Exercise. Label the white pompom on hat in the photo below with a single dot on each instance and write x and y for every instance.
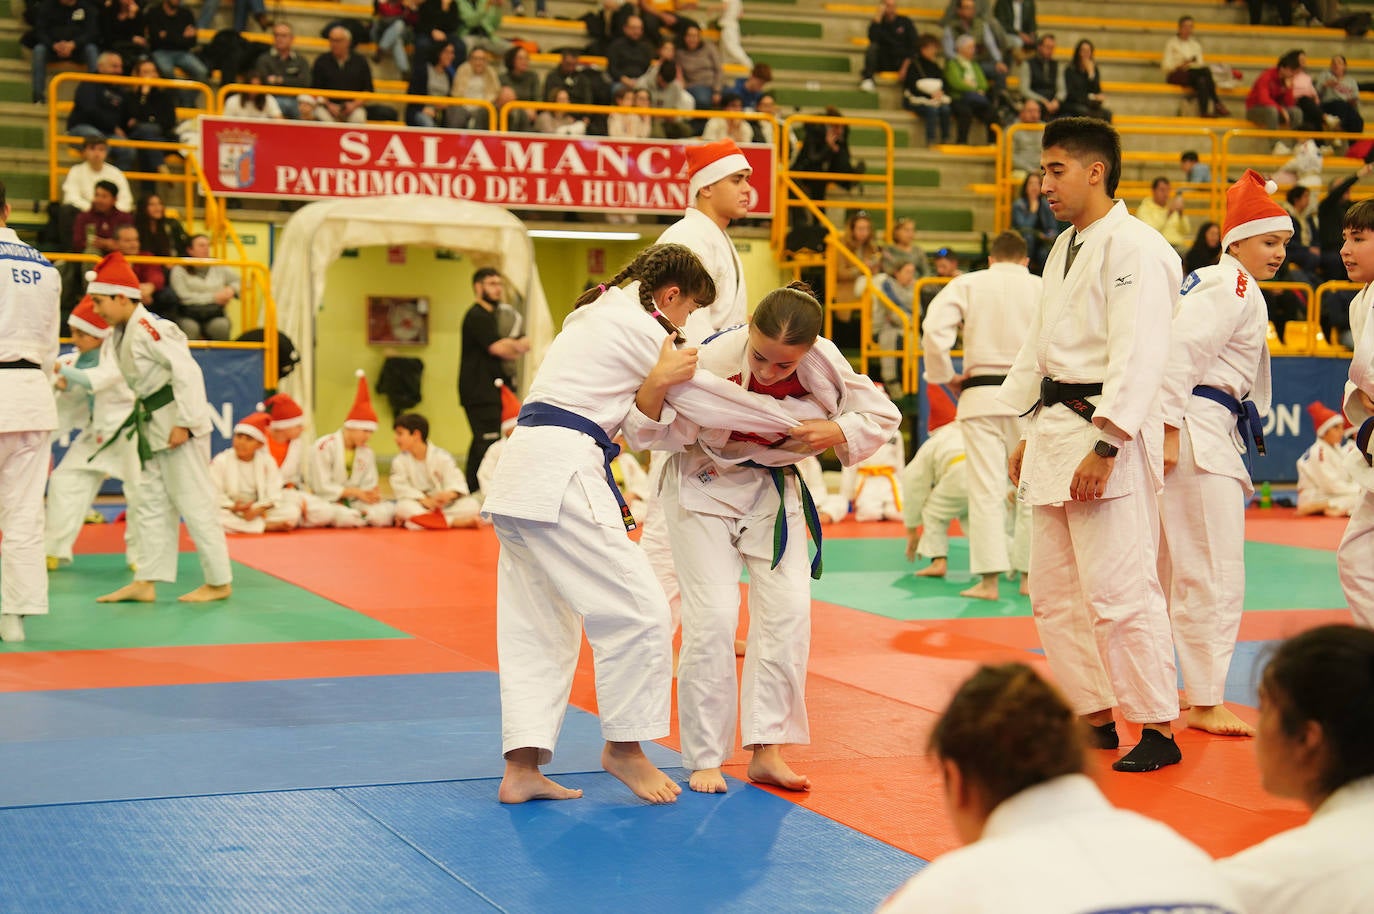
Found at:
(510, 406)
(1251, 210)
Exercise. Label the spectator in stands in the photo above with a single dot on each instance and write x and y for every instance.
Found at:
(946, 267)
(925, 93)
(1206, 249)
(850, 281)
(602, 26)
(667, 91)
(1017, 19)
(1340, 95)
(824, 148)
(1331, 222)
(392, 21)
(1270, 102)
(1025, 141)
(242, 8)
(751, 88)
(476, 79)
(667, 50)
(171, 38)
(160, 234)
(78, 188)
(1042, 79)
(658, 22)
(902, 248)
(282, 66)
(150, 114)
(479, 24)
(699, 63)
(436, 22)
(431, 79)
(1183, 66)
(342, 70)
(1031, 217)
(627, 125)
(64, 30)
(891, 43)
(560, 123)
(1304, 257)
(124, 31)
(993, 51)
(98, 110)
(1083, 85)
(523, 84)
(888, 330)
(202, 291)
(1194, 171)
(1305, 92)
(1284, 9)
(969, 91)
(981, 8)
(1163, 212)
(255, 105)
(718, 128)
(764, 130)
(630, 54)
(94, 230)
(585, 85)
(152, 279)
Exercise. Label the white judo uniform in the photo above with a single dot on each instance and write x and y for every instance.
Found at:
(935, 489)
(566, 565)
(1095, 591)
(295, 493)
(721, 518)
(94, 412)
(1061, 848)
(256, 481)
(1218, 340)
(29, 293)
(995, 309)
(412, 480)
(1325, 485)
(1355, 556)
(1323, 867)
(330, 472)
(872, 486)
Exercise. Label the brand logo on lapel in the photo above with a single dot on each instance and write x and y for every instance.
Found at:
(1123, 280)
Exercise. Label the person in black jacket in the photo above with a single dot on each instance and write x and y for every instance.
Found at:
(436, 21)
(891, 43)
(342, 69)
(123, 30)
(63, 30)
(98, 110)
(486, 349)
(172, 36)
(150, 114)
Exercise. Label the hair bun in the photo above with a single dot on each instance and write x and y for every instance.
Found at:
(802, 286)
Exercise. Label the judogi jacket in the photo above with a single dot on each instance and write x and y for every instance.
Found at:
(29, 292)
(155, 361)
(267, 488)
(415, 479)
(939, 456)
(717, 253)
(329, 474)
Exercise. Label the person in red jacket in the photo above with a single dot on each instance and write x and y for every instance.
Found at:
(1270, 103)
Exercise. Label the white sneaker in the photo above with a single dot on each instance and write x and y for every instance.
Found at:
(868, 86)
(11, 627)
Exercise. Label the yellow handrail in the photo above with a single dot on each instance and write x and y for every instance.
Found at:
(403, 98)
(677, 113)
(786, 182)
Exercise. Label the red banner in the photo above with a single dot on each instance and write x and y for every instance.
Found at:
(293, 160)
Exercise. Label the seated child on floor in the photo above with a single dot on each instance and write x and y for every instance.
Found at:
(343, 472)
(831, 506)
(935, 491)
(249, 484)
(872, 485)
(1325, 485)
(288, 447)
(431, 493)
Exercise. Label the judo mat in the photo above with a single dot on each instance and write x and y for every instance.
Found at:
(328, 739)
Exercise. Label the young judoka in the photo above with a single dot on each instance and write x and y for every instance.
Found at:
(93, 399)
(431, 492)
(1325, 485)
(343, 472)
(1355, 556)
(170, 424)
(935, 488)
(1215, 389)
(566, 566)
(249, 484)
(289, 448)
(510, 411)
(872, 486)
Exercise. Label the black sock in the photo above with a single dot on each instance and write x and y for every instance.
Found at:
(1154, 751)
(1104, 737)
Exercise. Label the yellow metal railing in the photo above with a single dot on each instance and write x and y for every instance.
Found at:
(398, 98)
(660, 113)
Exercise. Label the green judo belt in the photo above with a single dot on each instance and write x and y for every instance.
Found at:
(813, 518)
(136, 425)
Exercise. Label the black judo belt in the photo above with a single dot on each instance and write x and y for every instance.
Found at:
(136, 425)
(19, 363)
(1074, 396)
(983, 380)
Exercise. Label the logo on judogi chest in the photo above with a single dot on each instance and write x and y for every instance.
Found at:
(237, 158)
(1190, 282)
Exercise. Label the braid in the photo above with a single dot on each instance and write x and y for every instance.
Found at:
(654, 268)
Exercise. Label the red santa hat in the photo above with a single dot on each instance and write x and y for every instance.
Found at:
(510, 406)
(113, 276)
(84, 318)
(708, 163)
(1323, 417)
(362, 415)
(942, 409)
(1251, 211)
(285, 412)
(254, 425)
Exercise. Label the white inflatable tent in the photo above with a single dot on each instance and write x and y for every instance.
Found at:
(318, 233)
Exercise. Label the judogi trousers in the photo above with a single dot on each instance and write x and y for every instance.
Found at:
(770, 704)
(316, 512)
(24, 458)
(1098, 605)
(73, 487)
(461, 512)
(1202, 569)
(988, 443)
(946, 502)
(556, 580)
(175, 484)
(288, 513)
(1355, 559)
(653, 539)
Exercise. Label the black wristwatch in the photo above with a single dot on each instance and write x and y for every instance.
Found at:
(1103, 449)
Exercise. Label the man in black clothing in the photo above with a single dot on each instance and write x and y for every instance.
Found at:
(485, 350)
(99, 110)
(1041, 78)
(171, 37)
(630, 55)
(341, 69)
(64, 30)
(891, 43)
(282, 66)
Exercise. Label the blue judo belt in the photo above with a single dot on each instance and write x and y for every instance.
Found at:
(1248, 422)
(537, 414)
(813, 517)
(1362, 440)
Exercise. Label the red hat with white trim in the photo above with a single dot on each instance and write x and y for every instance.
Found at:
(712, 162)
(1323, 417)
(285, 412)
(1251, 210)
(942, 408)
(85, 319)
(254, 425)
(113, 276)
(362, 415)
(510, 406)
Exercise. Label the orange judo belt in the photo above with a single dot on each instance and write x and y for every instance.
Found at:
(867, 473)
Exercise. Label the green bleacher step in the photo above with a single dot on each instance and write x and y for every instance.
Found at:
(9, 48)
(19, 136)
(11, 91)
(936, 219)
(780, 28)
(874, 136)
(849, 101)
(25, 187)
(807, 63)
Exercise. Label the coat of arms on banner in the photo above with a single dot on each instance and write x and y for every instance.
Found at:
(237, 158)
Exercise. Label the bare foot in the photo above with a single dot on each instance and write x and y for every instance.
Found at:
(632, 768)
(768, 767)
(1218, 719)
(524, 781)
(137, 592)
(937, 569)
(1024, 589)
(1183, 703)
(207, 593)
(740, 645)
(707, 780)
(985, 589)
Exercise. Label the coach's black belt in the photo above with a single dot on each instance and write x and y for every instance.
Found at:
(1074, 396)
(19, 363)
(983, 380)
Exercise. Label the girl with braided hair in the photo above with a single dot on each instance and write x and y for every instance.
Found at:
(566, 565)
(735, 500)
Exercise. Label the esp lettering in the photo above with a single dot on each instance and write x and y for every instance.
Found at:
(26, 277)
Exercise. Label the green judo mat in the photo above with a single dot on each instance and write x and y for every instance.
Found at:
(874, 576)
(263, 609)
